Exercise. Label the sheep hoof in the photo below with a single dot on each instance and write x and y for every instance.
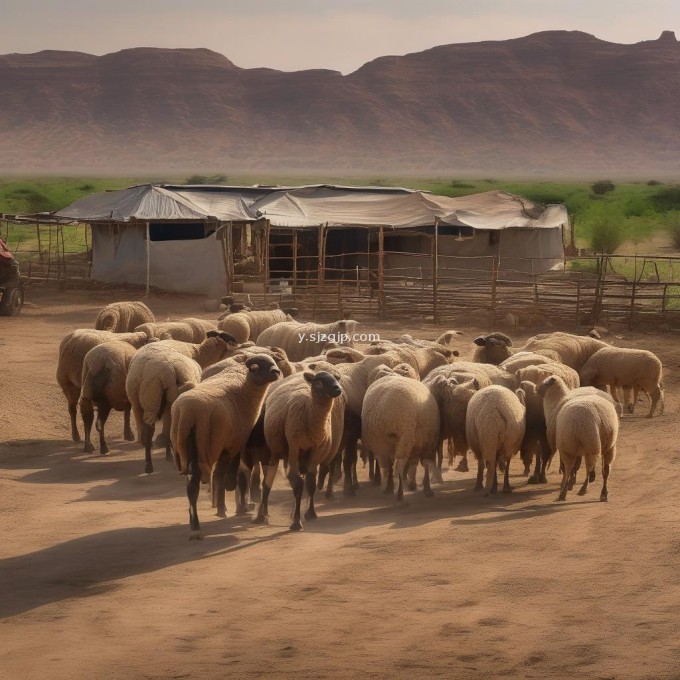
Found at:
(129, 436)
(543, 479)
(437, 476)
(329, 495)
(462, 466)
(196, 535)
(88, 448)
(533, 480)
(261, 519)
(412, 486)
(242, 510)
(603, 498)
(561, 497)
(75, 437)
(507, 489)
(429, 493)
(349, 491)
(148, 469)
(221, 513)
(159, 440)
(311, 515)
(103, 450)
(296, 526)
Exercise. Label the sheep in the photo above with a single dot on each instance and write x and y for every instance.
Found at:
(248, 325)
(156, 376)
(538, 373)
(447, 337)
(276, 353)
(123, 317)
(523, 359)
(555, 393)
(573, 350)
(586, 428)
(400, 423)
(494, 428)
(200, 326)
(423, 358)
(303, 423)
(105, 369)
(535, 445)
(211, 424)
(616, 367)
(301, 340)
(186, 330)
(452, 395)
(492, 349)
(72, 350)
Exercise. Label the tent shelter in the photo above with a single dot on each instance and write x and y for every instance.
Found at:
(187, 238)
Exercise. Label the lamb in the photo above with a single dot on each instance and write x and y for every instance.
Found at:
(105, 369)
(248, 325)
(158, 373)
(573, 350)
(211, 424)
(616, 367)
(123, 317)
(586, 428)
(494, 428)
(301, 340)
(72, 350)
(400, 423)
(303, 423)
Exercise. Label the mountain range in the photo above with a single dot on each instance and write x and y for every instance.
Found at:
(554, 103)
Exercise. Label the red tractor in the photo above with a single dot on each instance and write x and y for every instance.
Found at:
(11, 288)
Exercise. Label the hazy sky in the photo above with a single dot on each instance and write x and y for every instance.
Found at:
(298, 34)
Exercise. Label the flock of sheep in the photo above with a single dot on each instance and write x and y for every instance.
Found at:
(239, 395)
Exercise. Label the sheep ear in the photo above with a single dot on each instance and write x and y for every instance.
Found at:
(225, 337)
(480, 341)
(336, 375)
(453, 381)
(455, 353)
(212, 334)
(240, 358)
(342, 324)
(521, 396)
(308, 376)
(475, 383)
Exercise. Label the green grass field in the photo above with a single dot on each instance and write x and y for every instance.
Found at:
(639, 215)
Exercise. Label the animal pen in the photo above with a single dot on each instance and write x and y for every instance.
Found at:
(360, 252)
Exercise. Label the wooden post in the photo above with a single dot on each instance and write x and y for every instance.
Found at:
(225, 259)
(578, 302)
(322, 256)
(148, 259)
(663, 299)
(63, 253)
(229, 244)
(49, 252)
(435, 270)
(340, 312)
(381, 271)
(266, 258)
(632, 307)
(40, 254)
(494, 282)
(295, 249)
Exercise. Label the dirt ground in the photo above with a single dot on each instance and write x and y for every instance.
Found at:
(99, 580)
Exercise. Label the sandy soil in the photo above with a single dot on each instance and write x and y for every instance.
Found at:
(99, 580)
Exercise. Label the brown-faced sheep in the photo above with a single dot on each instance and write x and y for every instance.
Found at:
(72, 350)
(211, 424)
(400, 423)
(105, 369)
(636, 369)
(301, 340)
(123, 317)
(303, 423)
(494, 428)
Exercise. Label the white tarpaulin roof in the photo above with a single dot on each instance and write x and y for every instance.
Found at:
(310, 206)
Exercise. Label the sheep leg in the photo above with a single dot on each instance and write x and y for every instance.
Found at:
(427, 464)
(102, 416)
(506, 479)
(72, 406)
(378, 475)
(450, 450)
(147, 435)
(480, 474)
(193, 486)
(567, 465)
(269, 476)
(128, 434)
(297, 485)
(389, 486)
(349, 462)
(255, 490)
(656, 395)
(572, 476)
(584, 487)
(242, 486)
(371, 464)
(463, 465)
(218, 485)
(310, 485)
(329, 487)
(166, 435)
(411, 473)
(605, 477)
(87, 413)
(324, 469)
(491, 478)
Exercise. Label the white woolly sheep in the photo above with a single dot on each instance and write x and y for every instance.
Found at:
(303, 423)
(573, 350)
(493, 348)
(586, 428)
(185, 330)
(72, 350)
(494, 428)
(636, 369)
(105, 369)
(301, 340)
(538, 373)
(524, 359)
(211, 424)
(123, 317)
(275, 353)
(400, 424)
(248, 325)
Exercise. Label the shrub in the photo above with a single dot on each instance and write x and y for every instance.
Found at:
(602, 187)
(653, 183)
(606, 233)
(667, 198)
(28, 200)
(674, 229)
(206, 179)
(456, 184)
(85, 187)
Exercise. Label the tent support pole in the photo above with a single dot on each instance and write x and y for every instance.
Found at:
(381, 271)
(266, 258)
(494, 283)
(322, 255)
(435, 270)
(295, 249)
(148, 259)
(37, 228)
(230, 257)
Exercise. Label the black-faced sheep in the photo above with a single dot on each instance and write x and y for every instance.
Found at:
(123, 317)
(211, 424)
(494, 427)
(303, 423)
(493, 348)
(72, 350)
